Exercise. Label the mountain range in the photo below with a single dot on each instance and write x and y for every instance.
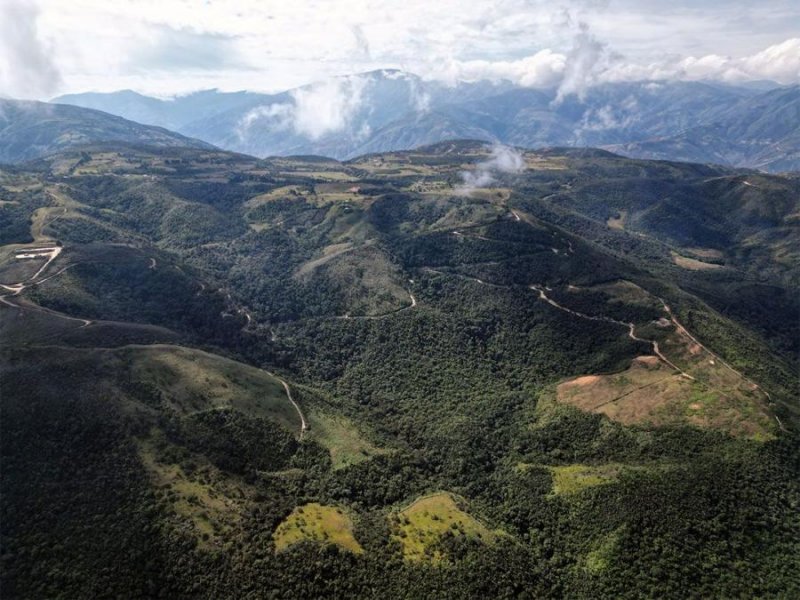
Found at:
(752, 126)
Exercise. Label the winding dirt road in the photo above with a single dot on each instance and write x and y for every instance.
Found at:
(303, 424)
(631, 328)
(16, 289)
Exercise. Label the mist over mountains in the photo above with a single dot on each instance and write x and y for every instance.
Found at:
(750, 125)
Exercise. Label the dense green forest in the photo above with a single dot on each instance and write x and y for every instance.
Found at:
(589, 370)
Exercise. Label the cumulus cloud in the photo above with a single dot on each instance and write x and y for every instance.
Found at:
(27, 69)
(315, 110)
(541, 70)
(502, 159)
(779, 62)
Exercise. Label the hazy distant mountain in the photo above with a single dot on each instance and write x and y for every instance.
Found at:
(761, 131)
(748, 125)
(32, 129)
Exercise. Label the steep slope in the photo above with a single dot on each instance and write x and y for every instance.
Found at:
(29, 130)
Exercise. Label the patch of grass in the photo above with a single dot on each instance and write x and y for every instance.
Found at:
(194, 380)
(421, 526)
(599, 559)
(571, 479)
(211, 503)
(317, 523)
(342, 439)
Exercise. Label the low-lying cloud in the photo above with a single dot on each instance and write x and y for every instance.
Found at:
(591, 62)
(502, 159)
(582, 66)
(314, 111)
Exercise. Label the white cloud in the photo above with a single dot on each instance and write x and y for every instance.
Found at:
(541, 70)
(780, 62)
(278, 115)
(167, 47)
(502, 159)
(316, 110)
(26, 67)
(328, 106)
(583, 66)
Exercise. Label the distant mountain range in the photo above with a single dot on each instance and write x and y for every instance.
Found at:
(754, 126)
(30, 130)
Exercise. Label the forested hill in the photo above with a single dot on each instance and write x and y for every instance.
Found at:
(30, 129)
(454, 372)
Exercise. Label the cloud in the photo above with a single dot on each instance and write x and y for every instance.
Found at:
(420, 99)
(279, 117)
(180, 49)
(362, 44)
(315, 110)
(583, 66)
(328, 106)
(502, 159)
(27, 69)
(176, 46)
(779, 62)
(541, 70)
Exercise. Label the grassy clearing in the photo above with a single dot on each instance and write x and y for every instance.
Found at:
(545, 163)
(289, 191)
(422, 525)
(708, 253)
(342, 439)
(571, 479)
(209, 502)
(651, 393)
(194, 380)
(317, 523)
(600, 558)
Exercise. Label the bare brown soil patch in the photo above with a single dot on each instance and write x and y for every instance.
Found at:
(709, 253)
(693, 264)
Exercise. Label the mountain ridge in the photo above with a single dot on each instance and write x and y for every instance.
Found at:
(389, 110)
(30, 130)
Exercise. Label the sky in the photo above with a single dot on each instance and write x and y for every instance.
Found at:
(169, 47)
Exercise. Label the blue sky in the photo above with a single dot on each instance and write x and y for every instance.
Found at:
(166, 47)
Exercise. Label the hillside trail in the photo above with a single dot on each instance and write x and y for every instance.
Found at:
(683, 330)
(15, 289)
(543, 296)
(631, 329)
(384, 315)
(303, 423)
